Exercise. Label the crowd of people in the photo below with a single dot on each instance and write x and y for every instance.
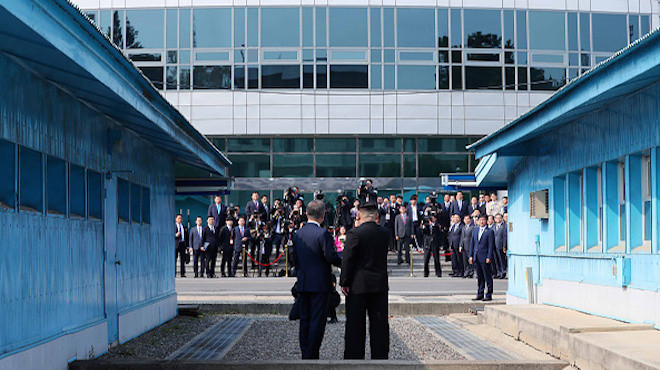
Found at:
(258, 237)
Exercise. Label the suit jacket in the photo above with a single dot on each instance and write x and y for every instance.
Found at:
(445, 215)
(219, 217)
(500, 236)
(420, 212)
(401, 229)
(462, 211)
(482, 249)
(454, 237)
(178, 240)
(225, 236)
(482, 208)
(364, 267)
(211, 237)
(466, 237)
(314, 254)
(472, 208)
(250, 208)
(195, 239)
(238, 243)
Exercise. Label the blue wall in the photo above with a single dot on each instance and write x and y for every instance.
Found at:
(629, 125)
(54, 278)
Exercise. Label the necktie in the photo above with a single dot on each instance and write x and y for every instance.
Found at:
(404, 218)
(199, 231)
(481, 232)
(218, 209)
(212, 229)
(460, 205)
(181, 231)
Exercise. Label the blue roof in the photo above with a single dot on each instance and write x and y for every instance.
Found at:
(629, 70)
(59, 43)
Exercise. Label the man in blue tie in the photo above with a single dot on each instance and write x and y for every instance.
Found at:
(313, 255)
(218, 211)
(483, 248)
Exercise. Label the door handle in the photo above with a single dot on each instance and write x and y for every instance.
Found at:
(118, 262)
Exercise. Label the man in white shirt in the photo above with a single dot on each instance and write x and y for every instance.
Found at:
(180, 244)
(483, 249)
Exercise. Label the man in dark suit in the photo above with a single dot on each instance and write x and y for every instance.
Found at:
(465, 247)
(195, 246)
(445, 214)
(433, 240)
(473, 206)
(403, 229)
(242, 239)
(218, 211)
(364, 282)
(180, 243)
(482, 203)
(483, 248)
(459, 206)
(499, 228)
(416, 213)
(454, 240)
(313, 256)
(226, 241)
(255, 206)
(267, 208)
(210, 245)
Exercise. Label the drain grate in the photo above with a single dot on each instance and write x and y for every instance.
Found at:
(466, 342)
(212, 343)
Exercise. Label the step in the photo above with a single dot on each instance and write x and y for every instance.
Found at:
(584, 340)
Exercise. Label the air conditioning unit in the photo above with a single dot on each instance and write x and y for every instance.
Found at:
(538, 204)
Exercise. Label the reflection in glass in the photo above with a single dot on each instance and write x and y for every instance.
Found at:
(389, 74)
(308, 26)
(293, 165)
(348, 26)
(376, 145)
(456, 78)
(547, 78)
(483, 77)
(321, 26)
(321, 76)
(239, 27)
(456, 32)
(380, 165)
(388, 27)
(308, 77)
(253, 77)
(375, 27)
(337, 145)
(280, 27)
(154, 74)
(239, 77)
(585, 33)
(609, 32)
(184, 78)
(633, 27)
(184, 28)
(212, 77)
(521, 29)
(443, 78)
(171, 77)
(335, 165)
(416, 77)
(117, 28)
(280, 76)
(30, 180)
(415, 27)
(572, 28)
(483, 28)
(172, 29)
(546, 30)
(442, 144)
(349, 76)
(409, 165)
(522, 78)
(434, 164)
(248, 145)
(443, 28)
(253, 27)
(293, 145)
(211, 27)
(376, 76)
(249, 165)
(509, 29)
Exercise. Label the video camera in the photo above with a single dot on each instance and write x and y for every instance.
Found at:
(289, 196)
(366, 191)
(432, 208)
(318, 195)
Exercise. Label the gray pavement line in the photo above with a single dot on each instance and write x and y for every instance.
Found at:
(176, 353)
(229, 346)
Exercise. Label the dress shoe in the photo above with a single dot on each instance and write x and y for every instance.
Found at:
(438, 275)
(488, 299)
(224, 275)
(183, 275)
(425, 275)
(478, 298)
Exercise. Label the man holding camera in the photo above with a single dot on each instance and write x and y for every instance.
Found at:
(433, 240)
(367, 192)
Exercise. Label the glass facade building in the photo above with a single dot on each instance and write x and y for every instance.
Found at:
(321, 95)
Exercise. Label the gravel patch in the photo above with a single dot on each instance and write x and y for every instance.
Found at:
(162, 340)
(277, 339)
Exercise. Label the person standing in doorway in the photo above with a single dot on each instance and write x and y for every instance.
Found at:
(180, 238)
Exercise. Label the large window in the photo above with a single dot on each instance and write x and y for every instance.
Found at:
(483, 28)
(211, 27)
(30, 179)
(348, 27)
(609, 32)
(144, 29)
(280, 27)
(8, 178)
(212, 77)
(380, 165)
(249, 165)
(56, 199)
(335, 165)
(547, 30)
(416, 77)
(280, 76)
(415, 27)
(293, 165)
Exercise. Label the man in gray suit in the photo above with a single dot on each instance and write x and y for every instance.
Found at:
(500, 247)
(403, 231)
(196, 246)
(465, 247)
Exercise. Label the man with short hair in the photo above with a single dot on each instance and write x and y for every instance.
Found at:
(473, 206)
(218, 211)
(314, 254)
(482, 204)
(415, 213)
(402, 233)
(196, 247)
(483, 247)
(264, 202)
(364, 283)
(241, 240)
(499, 227)
(493, 207)
(226, 237)
(459, 206)
(505, 205)
(210, 246)
(180, 237)
(454, 240)
(465, 247)
(255, 206)
(433, 240)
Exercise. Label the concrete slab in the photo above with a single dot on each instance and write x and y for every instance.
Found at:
(587, 341)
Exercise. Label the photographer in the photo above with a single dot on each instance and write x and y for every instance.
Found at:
(255, 225)
(266, 246)
(367, 192)
(329, 218)
(433, 240)
(343, 212)
(278, 222)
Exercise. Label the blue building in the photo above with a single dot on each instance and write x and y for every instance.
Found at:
(88, 148)
(583, 178)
